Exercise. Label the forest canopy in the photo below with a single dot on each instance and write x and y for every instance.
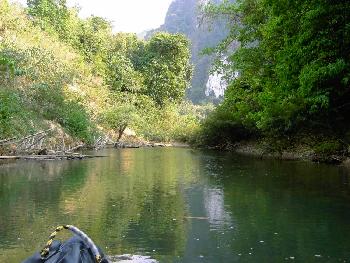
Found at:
(293, 66)
(73, 72)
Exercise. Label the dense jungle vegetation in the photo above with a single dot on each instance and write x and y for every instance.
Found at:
(289, 80)
(59, 69)
(286, 64)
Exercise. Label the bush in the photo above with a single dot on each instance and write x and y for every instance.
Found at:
(9, 107)
(75, 119)
(328, 147)
(172, 122)
(15, 117)
(219, 129)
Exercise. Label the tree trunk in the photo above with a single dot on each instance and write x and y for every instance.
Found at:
(121, 132)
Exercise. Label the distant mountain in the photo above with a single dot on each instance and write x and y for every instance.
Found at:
(182, 17)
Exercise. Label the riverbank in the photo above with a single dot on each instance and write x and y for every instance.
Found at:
(55, 144)
(299, 152)
(143, 143)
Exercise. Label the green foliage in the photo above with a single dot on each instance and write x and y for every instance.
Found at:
(122, 76)
(94, 38)
(76, 73)
(16, 118)
(183, 17)
(90, 36)
(7, 66)
(52, 15)
(166, 67)
(73, 117)
(9, 107)
(328, 147)
(51, 103)
(40, 69)
(293, 64)
(118, 118)
(172, 122)
(159, 68)
(221, 128)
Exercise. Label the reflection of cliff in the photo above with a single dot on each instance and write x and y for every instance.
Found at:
(280, 208)
(215, 207)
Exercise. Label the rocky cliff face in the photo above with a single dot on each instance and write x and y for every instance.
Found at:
(182, 17)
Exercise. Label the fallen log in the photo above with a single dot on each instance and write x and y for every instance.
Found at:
(34, 142)
(2, 142)
(51, 157)
(71, 150)
(76, 148)
(33, 135)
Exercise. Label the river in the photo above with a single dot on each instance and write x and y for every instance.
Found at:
(180, 205)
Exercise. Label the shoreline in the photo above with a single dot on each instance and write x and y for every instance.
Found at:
(146, 144)
(298, 153)
(252, 148)
(42, 153)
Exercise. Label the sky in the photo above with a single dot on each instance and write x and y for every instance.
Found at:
(126, 15)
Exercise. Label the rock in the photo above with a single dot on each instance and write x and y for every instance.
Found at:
(332, 159)
(129, 132)
(43, 152)
(346, 162)
(123, 145)
(159, 145)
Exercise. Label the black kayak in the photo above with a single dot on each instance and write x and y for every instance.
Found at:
(79, 249)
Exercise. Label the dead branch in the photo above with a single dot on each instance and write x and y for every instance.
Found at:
(6, 141)
(33, 135)
(51, 157)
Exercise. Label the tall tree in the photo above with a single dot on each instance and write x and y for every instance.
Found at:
(166, 67)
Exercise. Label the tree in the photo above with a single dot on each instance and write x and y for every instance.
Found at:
(165, 63)
(118, 118)
(121, 74)
(95, 38)
(50, 15)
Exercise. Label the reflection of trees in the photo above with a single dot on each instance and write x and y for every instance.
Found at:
(129, 202)
(302, 202)
(138, 196)
(125, 202)
(29, 197)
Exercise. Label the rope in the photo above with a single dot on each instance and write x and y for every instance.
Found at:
(45, 251)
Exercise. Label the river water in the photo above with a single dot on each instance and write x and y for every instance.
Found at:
(180, 205)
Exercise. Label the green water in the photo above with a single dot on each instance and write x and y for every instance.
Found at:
(139, 201)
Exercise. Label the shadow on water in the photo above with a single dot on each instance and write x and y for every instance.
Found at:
(180, 205)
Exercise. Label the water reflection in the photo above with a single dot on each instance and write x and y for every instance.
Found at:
(180, 205)
(214, 204)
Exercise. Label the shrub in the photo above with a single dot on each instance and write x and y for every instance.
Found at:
(328, 147)
(75, 119)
